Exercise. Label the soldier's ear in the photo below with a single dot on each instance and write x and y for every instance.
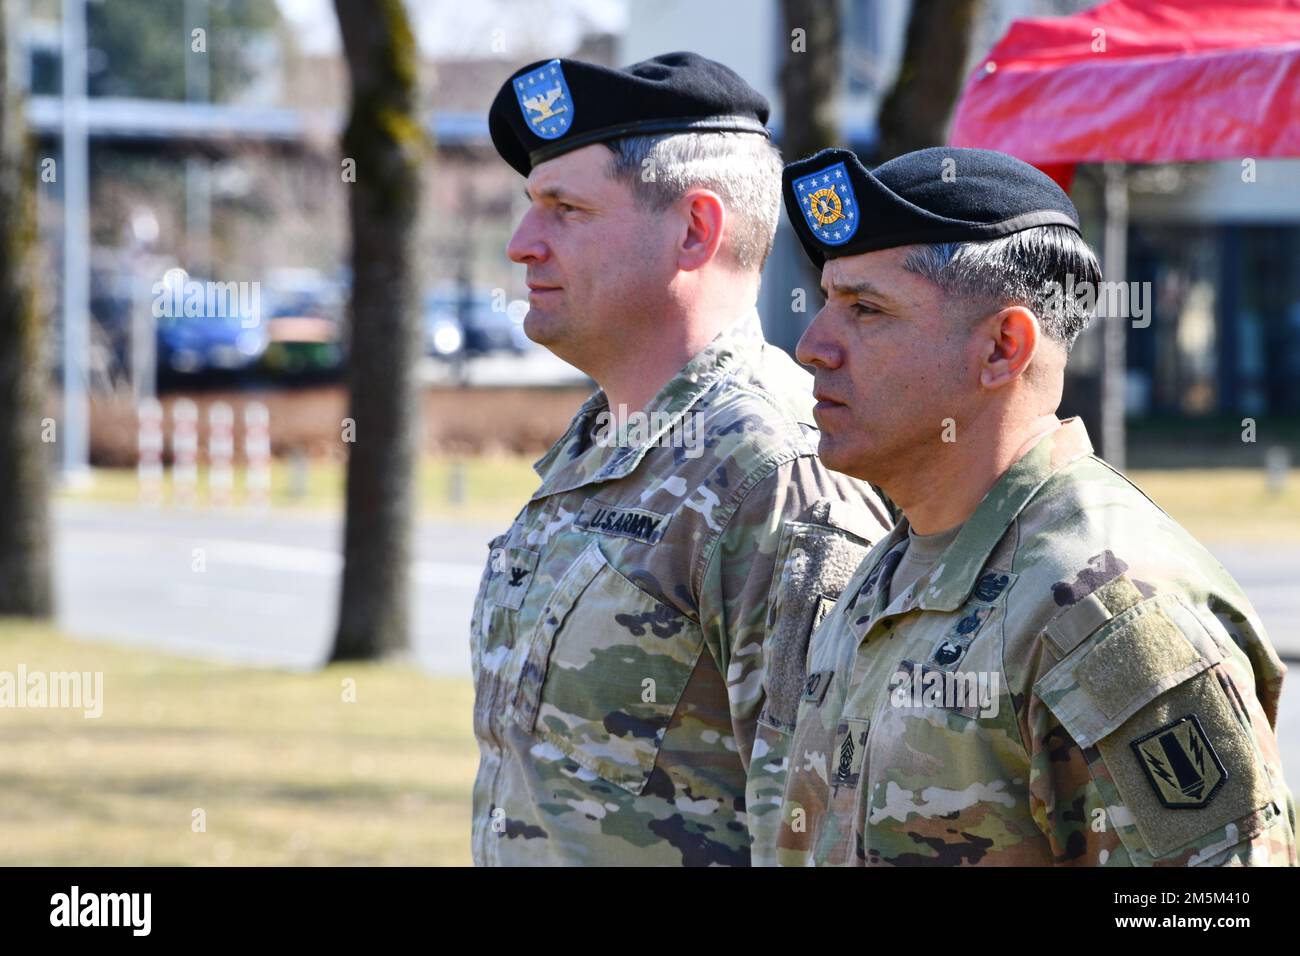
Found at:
(1008, 340)
(704, 219)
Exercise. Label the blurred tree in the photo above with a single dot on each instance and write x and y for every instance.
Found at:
(25, 585)
(139, 47)
(810, 85)
(810, 77)
(385, 145)
(916, 111)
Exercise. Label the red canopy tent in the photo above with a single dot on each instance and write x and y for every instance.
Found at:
(1137, 81)
(1140, 81)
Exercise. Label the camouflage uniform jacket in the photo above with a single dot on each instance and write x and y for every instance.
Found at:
(1075, 681)
(617, 638)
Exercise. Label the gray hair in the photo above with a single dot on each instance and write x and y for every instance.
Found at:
(1028, 268)
(742, 168)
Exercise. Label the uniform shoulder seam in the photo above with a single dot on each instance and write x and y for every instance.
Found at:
(733, 504)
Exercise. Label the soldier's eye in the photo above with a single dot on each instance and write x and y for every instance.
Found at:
(862, 308)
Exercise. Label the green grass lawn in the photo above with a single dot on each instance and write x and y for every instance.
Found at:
(283, 769)
(1221, 504)
(1227, 504)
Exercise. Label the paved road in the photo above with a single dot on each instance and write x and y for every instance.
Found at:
(243, 586)
(264, 588)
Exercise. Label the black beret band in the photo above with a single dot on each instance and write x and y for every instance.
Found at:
(839, 208)
(712, 124)
(552, 107)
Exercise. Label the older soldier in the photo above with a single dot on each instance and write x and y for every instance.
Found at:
(1037, 665)
(626, 697)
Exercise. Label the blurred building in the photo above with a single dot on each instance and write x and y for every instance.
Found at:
(245, 177)
(1222, 254)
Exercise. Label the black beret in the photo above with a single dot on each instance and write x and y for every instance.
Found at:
(942, 194)
(553, 106)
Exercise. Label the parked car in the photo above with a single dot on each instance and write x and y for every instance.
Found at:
(483, 329)
(305, 330)
(200, 334)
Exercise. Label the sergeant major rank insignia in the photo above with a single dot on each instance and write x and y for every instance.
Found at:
(544, 98)
(850, 747)
(828, 203)
(1182, 767)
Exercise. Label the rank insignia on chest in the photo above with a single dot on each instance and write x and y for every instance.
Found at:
(990, 585)
(958, 639)
(828, 203)
(1180, 764)
(850, 748)
(545, 100)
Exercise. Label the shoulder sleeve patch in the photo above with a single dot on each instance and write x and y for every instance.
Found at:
(1185, 767)
(814, 562)
(1143, 689)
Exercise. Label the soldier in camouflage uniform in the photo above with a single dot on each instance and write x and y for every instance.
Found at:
(1037, 666)
(639, 633)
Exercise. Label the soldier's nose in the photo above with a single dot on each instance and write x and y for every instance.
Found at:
(814, 349)
(526, 245)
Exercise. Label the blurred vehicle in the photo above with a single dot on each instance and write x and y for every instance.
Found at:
(192, 345)
(467, 324)
(199, 335)
(306, 334)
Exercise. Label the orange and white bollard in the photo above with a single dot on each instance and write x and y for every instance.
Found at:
(149, 469)
(221, 454)
(257, 454)
(185, 451)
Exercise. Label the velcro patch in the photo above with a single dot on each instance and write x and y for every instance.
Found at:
(1131, 659)
(1070, 626)
(813, 564)
(644, 526)
(1185, 767)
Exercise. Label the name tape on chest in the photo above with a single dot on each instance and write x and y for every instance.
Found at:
(644, 526)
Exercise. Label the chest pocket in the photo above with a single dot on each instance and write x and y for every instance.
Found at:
(480, 622)
(505, 582)
(605, 668)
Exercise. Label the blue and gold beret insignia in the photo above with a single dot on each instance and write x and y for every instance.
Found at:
(544, 98)
(828, 203)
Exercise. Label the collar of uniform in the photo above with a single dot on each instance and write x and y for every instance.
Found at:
(949, 583)
(573, 437)
(587, 462)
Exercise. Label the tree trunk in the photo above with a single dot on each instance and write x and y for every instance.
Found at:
(810, 86)
(916, 112)
(386, 141)
(25, 581)
(810, 77)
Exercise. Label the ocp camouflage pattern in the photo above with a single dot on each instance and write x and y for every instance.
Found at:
(1119, 704)
(623, 708)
